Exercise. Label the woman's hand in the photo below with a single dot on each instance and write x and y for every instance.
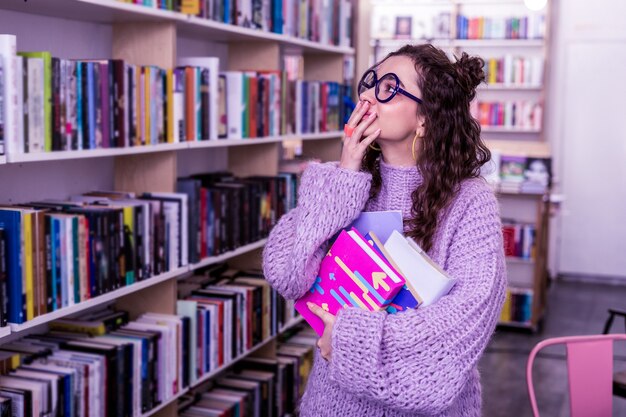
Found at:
(353, 147)
(324, 343)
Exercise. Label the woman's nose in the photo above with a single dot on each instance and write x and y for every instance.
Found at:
(368, 95)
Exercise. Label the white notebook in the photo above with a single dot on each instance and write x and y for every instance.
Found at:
(428, 279)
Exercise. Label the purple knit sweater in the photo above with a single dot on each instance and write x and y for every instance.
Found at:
(422, 362)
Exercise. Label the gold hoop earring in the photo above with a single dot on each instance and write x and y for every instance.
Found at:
(413, 146)
(373, 148)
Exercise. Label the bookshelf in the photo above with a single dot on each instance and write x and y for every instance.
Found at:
(146, 36)
(162, 147)
(525, 274)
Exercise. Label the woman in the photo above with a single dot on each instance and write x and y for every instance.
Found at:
(411, 145)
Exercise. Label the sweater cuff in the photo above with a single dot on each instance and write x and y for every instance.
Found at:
(356, 345)
(328, 185)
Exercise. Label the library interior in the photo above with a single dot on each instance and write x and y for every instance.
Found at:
(312, 208)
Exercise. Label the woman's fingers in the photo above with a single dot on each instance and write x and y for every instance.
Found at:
(369, 140)
(363, 125)
(358, 113)
(320, 312)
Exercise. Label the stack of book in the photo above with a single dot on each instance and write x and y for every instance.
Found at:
(518, 174)
(360, 271)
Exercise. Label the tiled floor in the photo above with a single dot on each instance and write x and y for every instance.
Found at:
(574, 309)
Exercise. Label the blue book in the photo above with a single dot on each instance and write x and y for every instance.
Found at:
(404, 299)
(91, 105)
(11, 222)
(382, 223)
(277, 18)
(55, 257)
(79, 107)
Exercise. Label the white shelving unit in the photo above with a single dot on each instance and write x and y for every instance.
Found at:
(162, 147)
(532, 208)
(113, 29)
(113, 11)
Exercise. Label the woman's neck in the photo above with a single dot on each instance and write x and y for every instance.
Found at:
(398, 153)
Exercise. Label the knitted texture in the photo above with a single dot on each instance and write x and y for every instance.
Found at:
(421, 362)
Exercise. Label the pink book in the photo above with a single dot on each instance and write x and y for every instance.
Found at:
(352, 274)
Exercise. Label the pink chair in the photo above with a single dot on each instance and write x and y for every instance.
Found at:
(590, 373)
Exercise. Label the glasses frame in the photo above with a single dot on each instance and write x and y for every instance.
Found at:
(376, 86)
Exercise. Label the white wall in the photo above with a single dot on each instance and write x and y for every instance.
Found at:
(586, 128)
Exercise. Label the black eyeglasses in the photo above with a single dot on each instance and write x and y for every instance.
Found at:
(386, 87)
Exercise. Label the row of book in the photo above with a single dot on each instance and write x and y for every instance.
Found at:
(231, 311)
(259, 386)
(106, 366)
(518, 306)
(102, 364)
(526, 27)
(514, 71)
(519, 174)
(523, 114)
(55, 104)
(519, 239)
(226, 212)
(57, 253)
(327, 22)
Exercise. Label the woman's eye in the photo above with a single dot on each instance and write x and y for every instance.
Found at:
(389, 87)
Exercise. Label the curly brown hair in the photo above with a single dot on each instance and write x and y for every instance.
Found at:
(451, 149)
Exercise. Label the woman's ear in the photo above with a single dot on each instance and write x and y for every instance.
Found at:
(419, 131)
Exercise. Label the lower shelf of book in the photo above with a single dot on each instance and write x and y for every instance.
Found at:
(110, 297)
(225, 366)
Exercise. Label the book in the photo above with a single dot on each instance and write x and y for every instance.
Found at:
(351, 274)
(427, 278)
(381, 223)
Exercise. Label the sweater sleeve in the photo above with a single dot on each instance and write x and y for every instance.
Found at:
(418, 361)
(329, 198)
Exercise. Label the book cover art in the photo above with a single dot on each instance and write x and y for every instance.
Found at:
(351, 274)
(512, 168)
(407, 297)
(422, 274)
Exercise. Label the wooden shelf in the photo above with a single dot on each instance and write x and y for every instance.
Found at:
(225, 32)
(506, 129)
(162, 147)
(94, 153)
(218, 370)
(228, 255)
(491, 43)
(4, 332)
(103, 299)
(321, 136)
(509, 87)
(518, 260)
(520, 194)
(113, 11)
(517, 324)
(461, 43)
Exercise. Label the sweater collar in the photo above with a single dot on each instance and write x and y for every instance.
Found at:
(399, 179)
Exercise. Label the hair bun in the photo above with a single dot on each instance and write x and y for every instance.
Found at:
(470, 72)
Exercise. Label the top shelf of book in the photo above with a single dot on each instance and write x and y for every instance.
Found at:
(462, 43)
(114, 11)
